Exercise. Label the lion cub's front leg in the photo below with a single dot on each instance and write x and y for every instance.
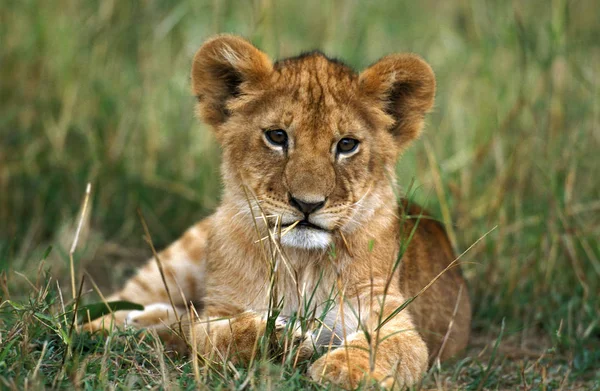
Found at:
(396, 357)
(237, 338)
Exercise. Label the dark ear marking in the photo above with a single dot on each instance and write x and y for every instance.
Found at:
(399, 92)
(232, 80)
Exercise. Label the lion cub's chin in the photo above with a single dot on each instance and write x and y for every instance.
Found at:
(307, 238)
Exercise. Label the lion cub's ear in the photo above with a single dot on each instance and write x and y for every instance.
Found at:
(404, 87)
(223, 67)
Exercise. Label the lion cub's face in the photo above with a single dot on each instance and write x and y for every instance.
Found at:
(313, 142)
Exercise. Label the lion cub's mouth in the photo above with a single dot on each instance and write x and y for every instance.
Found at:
(304, 224)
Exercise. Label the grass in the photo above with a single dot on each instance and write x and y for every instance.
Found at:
(99, 92)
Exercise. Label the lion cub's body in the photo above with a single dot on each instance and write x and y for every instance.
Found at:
(250, 254)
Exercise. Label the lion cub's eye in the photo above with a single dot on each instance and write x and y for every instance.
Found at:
(347, 145)
(277, 137)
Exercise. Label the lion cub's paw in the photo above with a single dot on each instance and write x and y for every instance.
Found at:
(348, 369)
(152, 315)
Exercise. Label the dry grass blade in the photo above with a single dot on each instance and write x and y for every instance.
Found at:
(99, 292)
(76, 294)
(39, 363)
(450, 326)
(262, 246)
(75, 308)
(346, 244)
(86, 199)
(343, 319)
(282, 234)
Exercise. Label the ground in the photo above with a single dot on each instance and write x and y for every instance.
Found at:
(99, 92)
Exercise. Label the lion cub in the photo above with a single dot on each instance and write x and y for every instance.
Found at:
(309, 220)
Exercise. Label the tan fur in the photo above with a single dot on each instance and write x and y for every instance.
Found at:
(221, 267)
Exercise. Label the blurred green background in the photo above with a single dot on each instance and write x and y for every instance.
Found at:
(98, 91)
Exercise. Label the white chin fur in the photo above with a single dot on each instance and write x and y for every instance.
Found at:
(310, 239)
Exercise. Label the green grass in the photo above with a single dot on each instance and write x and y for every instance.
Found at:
(98, 91)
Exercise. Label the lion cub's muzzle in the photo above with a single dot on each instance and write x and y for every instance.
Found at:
(306, 208)
(304, 231)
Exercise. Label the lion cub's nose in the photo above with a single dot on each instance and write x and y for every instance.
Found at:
(306, 207)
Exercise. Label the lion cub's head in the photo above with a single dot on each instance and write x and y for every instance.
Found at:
(315, 142)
